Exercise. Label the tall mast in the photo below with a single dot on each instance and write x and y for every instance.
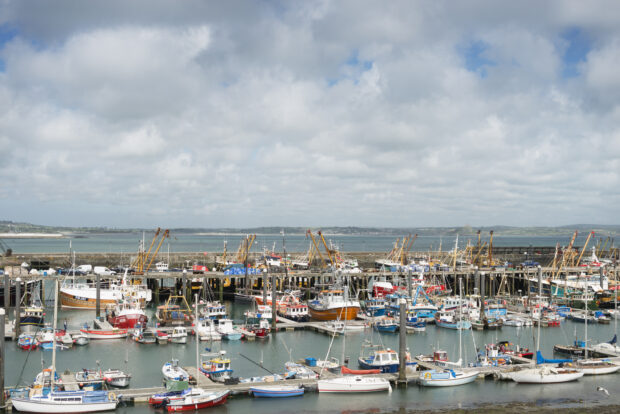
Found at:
(460, 317)
(540, 310)
(197, 336)
(586, 327)
(54, 332)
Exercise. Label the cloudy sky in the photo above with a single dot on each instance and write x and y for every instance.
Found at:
(250, 113)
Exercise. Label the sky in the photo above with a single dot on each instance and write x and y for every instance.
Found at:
(320, 113)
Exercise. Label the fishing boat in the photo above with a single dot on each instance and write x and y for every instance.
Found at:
(192, 402)
(419, 326)
(113, 333)
(216, 366)
(448, 319)
(82, 295)
(577, 349)
(173, 372)
(178, 335)
(89, 378)
(299, 371)
(384, 359)
(144, 336)
(116, 378)
(207, 331)
(81, 339)
(277, 391)
(386, 325)
(296, 312)
(27, 341)
(162, 337)
(352, 384)
(375, 307)
(486, 323)
(32, 317)
(126, 314)
(331, 305)
(227, 330)
(447, 378)
(159, 398)
(212, 310)
(175, 312)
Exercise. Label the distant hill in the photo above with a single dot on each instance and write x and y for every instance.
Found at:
(466, 230)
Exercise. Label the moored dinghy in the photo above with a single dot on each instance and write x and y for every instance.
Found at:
(277, 391)
(355, 383)
(194, 401)
(450, 377)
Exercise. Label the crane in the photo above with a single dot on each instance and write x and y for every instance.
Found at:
(331, 253)
(567, 252)
(140, 264)
(244, 248)
(316, 249)
(491, 250)
(584, 247)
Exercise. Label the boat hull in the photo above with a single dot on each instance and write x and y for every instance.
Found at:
(128, 321)
(348, 313)
(96, 334)
(276, 392)
(534, 376)
(179, 405)
(428, 381)
(48, 407)
(353, 384)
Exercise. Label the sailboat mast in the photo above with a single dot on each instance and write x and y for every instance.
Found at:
(54, 332)
(586, 327)
(540, 310)
(344, 329)
(197, 336)
(460, 318)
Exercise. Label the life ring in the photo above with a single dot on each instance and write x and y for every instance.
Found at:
(227, 282)
(112, 396)
(427, 375)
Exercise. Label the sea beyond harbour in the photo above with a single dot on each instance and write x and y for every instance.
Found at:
(214, 243)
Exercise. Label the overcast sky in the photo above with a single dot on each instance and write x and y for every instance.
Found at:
(364, 113)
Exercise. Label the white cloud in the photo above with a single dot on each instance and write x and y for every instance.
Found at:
(334, 113)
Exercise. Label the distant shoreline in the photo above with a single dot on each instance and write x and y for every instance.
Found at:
(31, 235)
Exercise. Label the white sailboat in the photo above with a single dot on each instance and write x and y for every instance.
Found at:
(449, 377)
(543, 374)
(593, 366)
(64, 401)
(354, 383)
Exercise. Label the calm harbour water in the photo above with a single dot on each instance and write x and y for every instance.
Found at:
(145, 361)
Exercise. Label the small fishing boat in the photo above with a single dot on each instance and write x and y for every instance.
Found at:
(299, 371)
(227, 330)
(357, 383)
(207, 331)
(126, 314)
(386, 325)
(81, 339)
(577, 349)
(144, 336)
(113, 333)
(216, 366)
(175, 312)
(89, 378)
(384, 359)
(486, 323)
(297, 312)
(448, 319)
(348, 371)
(158, 399)
(448, 378)
(162, 337)
(27, 341)
(116, 378)
(179, 335)
(277, 391)
(173, 372)
(419, 326)
(193, 402)
(375, 307)
(212, 310)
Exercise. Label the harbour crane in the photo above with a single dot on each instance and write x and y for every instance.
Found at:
(566, 254)
(331, 253)
(316, 249)
(584, 247)
(144, 256)
(244, 248)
